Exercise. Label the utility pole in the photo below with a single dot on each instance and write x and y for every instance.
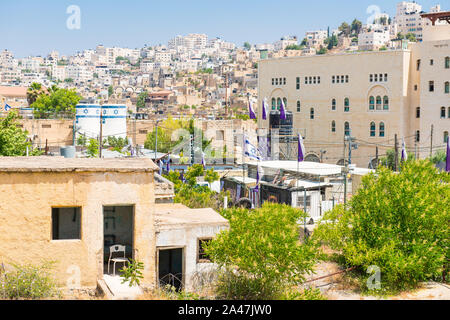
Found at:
(350, 147)
(376, 157)
(100, 145)
(415, 149)
(156, 139)
(431, 146)
(226, 95)
(396, 153)
(134, 138)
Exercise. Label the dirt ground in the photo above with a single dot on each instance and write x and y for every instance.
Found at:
(338, 288)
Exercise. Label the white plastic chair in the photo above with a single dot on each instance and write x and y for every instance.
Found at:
(116, 249)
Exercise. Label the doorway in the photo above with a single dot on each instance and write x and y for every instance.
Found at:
(118, 229)
(170, 267)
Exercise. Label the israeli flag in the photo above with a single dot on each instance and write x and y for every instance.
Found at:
(282, 110)
(7, 107)
(168, 164)
(301, 149)
(250, 150)
(264, 105)
(251, 112)
(404, 153)
(203, 160)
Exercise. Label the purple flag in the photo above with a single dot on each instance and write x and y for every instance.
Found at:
(447, 163)
(203, 161)
(250, 110)
(282, 111)
(264, 116)
(404, 153)
(301, 149)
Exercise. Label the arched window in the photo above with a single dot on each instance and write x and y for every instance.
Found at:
(333, 126)
(347, 128)
(311, 114)
(346, 105)
(298, 106)
(378, 103)
(447, 62)
(385, 103)
(382, 128)
(285, 103)
(333, 104)
(447, 87)
(418, 112)
(373, 129)
(278, 103)
(274, 103)
(442, 112)
(445, 136)
(371, 103)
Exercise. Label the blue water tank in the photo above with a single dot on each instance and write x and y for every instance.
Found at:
(68, 152)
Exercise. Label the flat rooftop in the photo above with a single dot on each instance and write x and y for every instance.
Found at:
(306, 167)
(176, 215)
(60, 164)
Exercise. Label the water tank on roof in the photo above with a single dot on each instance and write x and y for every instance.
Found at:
(68, 152)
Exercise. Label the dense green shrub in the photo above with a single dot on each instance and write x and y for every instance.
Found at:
(398, 222)
(260, 256)
(28, 282)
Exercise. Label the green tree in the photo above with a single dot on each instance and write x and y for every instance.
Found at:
(247, 45)
(33, 92)
(398, 222)
(331, 42)
(293, 47)
(13, 140)
(92, 149)
(141, 100)
(260, 256)
(439, 156)
(345, 29)
(60, 101)
(110, 91)
(82, 140)
(322, 50)
(400, 36)
(211, 176)
(356, 26)
(117, 144)
(411, 37)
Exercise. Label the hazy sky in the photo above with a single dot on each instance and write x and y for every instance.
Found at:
(35, 27)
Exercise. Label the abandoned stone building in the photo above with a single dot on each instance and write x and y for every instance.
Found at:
(71, 211)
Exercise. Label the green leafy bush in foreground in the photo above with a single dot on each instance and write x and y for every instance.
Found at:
(398, 222)
(261, 256)
(28, 282)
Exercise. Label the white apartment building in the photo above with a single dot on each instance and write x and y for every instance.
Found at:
(315, 39)
(59, 72)
(163, 56)
(371, 96)
(191, 41)
(373, 40)
(147, 66)
(284, 42)
(80, 74)
(31, 63)
(408, 19)
(7, 59)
